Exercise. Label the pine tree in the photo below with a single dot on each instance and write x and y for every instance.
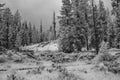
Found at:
(111, 36)
(116, 12)
(54, 26)
(7, 16)
(99, 23)
(30, 33)
(102, 20)
(65, 18)
(17, 21)
(65, 25)
(14, 29)
(96, 31)
(79, 23)
(81, 13)
(25, 34)
(50, 33)
(1, 26)
(111, 30)
(75, 30)
(46, 35)
(12, 37)
(34, 35)
(41, 32)
(18, 42)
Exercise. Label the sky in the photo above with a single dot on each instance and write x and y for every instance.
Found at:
(37, 10)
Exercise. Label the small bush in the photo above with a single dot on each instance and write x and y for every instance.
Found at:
(66, 45)
(107, 57)
(65, 75)
(72, 42)
(2, 60)
(36, 71)
(110, 63)
(19, 61)
(14, 77)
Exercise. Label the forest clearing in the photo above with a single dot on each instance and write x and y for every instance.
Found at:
(81, 41)
(46, 67)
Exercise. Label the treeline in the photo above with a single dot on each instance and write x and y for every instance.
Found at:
(14, 32)
(83, 23)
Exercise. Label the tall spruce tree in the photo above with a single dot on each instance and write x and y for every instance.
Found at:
(81, 12)
(102, 20)
(116, 13)
(14, 29)
(96, 30)
(30, 33)
(7, 16)
(34, 35)
(111, 30)
(17, 21)
(41, 32)
(79, 23)
(18, 42)
(27, 33)
(54, 26)
(1, 26)
(65, 25)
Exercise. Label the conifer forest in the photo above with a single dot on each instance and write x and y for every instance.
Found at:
(60, 40)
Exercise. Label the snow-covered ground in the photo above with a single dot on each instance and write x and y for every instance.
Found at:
(81, 69)
(45, 46)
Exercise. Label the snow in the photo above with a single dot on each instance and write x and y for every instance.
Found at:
(81, 69)
(45, 46)
(114, 51)
(49, 47)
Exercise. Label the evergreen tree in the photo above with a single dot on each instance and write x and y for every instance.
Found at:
(96, 31)
(14, 29)
(7, 16)
(18, 42)
(79, 23)
(30, 33)
(34, 35)
(99, 23)
(102, 20)
(17, 20)
(50, 33)
(65, 25)
(41, 32)
(75, 30)
(111, 30)
(25, 34)
(65, 18)
(12, 37)
(1, 26)
(46, 35)
(116, 12)
(54, 26)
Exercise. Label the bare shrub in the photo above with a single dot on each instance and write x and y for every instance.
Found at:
(2, 60)
(14, 77)
(107, 57)
(65, 75)
(36, 71)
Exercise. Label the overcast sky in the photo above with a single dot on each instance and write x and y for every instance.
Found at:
(35, 10)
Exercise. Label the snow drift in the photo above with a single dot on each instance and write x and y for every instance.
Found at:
(44, 46)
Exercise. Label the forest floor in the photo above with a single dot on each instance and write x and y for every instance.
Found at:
(82, 70)
(31, 69)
